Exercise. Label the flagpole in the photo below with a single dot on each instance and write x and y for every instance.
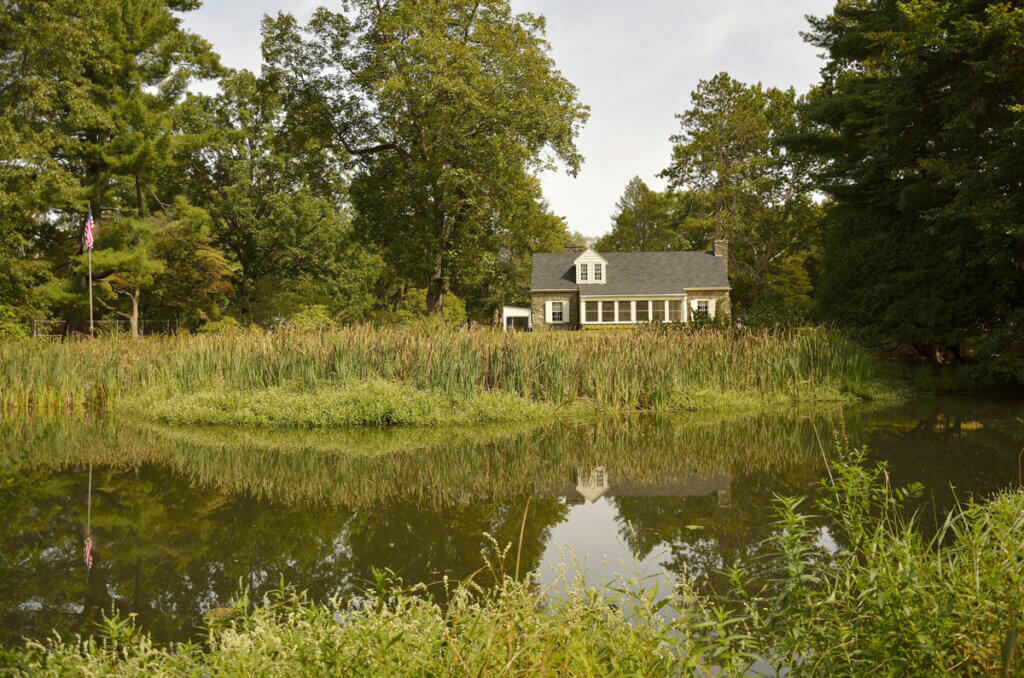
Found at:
(90, 293)
(88, 505)
(87, 549)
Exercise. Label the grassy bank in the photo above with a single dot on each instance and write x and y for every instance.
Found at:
(402, 376)
(360, 403)
(885, 601)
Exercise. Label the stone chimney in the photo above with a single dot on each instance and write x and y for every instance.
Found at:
(573, 248)
(721, 249)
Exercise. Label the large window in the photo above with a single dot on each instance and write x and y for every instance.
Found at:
(625, 312)
(593, 311)
(607, 311)
(557, 312)
(583, 272)
(598, 272)
(643, 311)
(675, 311)
(658, 311)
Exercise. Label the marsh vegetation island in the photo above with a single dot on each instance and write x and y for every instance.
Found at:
(304, 372)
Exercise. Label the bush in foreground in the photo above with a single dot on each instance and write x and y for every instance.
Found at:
(885, 601)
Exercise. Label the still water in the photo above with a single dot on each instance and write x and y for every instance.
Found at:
(182, 519)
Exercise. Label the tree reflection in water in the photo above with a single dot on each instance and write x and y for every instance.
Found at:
(182, 518)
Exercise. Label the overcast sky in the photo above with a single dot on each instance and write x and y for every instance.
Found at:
(635, 63)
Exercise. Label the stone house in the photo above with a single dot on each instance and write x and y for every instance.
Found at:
(591, 290)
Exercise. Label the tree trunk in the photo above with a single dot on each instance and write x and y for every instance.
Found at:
(437, 290)
(244, 299)
(140, 201)
(134, 320)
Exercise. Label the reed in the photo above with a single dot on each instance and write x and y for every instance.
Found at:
(714, 369)
(359, 468)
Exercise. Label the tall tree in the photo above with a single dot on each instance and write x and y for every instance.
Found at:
(447, 107)
(129, 265)
(275, 199)
(88, 91)
(42, 47)
(116, 126)
(746, 186)
(643, 221)
(919, 125)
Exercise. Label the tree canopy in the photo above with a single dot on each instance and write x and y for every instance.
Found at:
(918, 127)
(447, 109)
(744, 184)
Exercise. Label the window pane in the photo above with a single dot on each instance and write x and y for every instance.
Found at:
(658, 311)
(597, 271)
(625, 312)
(592, 312)
(675, 311)
(583, 271)
(556, 311)
(608, 311)
(702, 306)
(642, 312)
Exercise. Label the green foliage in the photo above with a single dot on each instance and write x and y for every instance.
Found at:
(448, 109)
(643, 222)
(10, 328)
(740, 183)
(412, 309)
(275, 203)
(917, 123)
(227, 325)
(316, 316)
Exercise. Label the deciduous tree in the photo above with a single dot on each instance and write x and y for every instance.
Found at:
(446, 107)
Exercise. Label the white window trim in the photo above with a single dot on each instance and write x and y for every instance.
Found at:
(583, 272)
(663, 299)
(549, 313)
(695, 302)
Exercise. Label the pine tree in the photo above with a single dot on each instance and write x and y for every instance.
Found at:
(920, 127)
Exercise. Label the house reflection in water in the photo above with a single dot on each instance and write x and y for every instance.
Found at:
(594, 483)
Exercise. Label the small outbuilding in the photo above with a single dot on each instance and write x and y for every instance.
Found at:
(515, 318)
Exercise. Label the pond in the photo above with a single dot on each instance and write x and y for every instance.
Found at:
(181, 520)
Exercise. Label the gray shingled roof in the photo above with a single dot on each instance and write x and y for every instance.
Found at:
(632, 273)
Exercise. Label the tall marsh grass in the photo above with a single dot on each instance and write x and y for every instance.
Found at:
(628, 370)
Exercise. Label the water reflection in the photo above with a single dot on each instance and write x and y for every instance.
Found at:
(181, 519)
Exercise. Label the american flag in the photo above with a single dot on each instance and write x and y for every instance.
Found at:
(87, 552)
(90, 232)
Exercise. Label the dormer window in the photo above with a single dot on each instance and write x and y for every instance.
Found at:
(591, 268)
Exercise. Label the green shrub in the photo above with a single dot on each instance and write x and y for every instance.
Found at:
(316, 316)
(888, 600)
(227, 324)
